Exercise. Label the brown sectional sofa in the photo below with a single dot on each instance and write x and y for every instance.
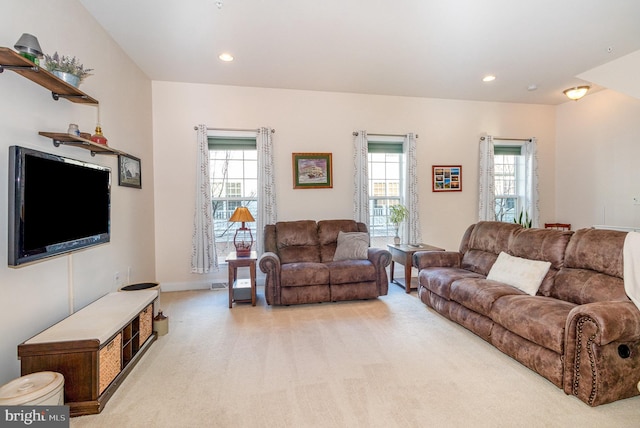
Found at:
(300, 268)
(580, 330)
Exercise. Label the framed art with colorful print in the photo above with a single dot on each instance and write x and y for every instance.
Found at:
(447, 178)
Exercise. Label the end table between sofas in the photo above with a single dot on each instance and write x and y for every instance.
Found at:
(403, 254)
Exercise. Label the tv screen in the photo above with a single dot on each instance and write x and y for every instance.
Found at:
(56, 205)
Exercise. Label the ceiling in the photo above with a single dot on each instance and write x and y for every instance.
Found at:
(416, 48)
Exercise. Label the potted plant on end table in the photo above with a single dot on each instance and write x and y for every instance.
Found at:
(397, 214)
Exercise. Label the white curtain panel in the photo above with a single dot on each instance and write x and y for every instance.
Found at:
(203, 255)
(486, 184)
(360, 178)
(412, 225)
(532, 200)
(266, 185)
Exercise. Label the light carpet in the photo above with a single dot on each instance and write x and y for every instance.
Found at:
(388, 362)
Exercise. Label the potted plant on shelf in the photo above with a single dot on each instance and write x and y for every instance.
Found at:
(66, 68)
(397, 214)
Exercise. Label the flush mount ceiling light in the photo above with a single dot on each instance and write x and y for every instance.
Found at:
(576, 92)
(226, 57)
(489, 78)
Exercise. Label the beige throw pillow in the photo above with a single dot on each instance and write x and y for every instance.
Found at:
(525, 274)
(352, 246)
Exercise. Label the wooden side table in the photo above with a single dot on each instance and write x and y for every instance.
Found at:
(403, 254)
(234, 263)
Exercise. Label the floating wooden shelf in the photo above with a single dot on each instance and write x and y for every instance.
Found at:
(11, 60)
(70, 140)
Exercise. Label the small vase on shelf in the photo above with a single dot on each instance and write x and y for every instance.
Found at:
(98, 138)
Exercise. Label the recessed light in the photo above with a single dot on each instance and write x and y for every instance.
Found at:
(226, 57)
(489, 78)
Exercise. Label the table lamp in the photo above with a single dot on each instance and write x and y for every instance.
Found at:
(243, 239)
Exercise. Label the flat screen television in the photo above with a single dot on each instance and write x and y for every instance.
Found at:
(56, 205)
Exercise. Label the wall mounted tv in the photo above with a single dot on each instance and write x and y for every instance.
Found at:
(56, 205)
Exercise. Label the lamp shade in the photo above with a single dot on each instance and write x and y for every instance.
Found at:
(576, 92)
(241, 214)
(28, 43)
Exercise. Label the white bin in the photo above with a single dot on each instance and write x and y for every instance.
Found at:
(35, 389)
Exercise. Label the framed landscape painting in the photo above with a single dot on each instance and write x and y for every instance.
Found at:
(447, 178)
(312, 170)
(129, 174)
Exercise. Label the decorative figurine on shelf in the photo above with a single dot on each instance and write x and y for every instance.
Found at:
(98, 138)
(73, 130)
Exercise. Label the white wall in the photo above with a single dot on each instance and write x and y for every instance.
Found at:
(307, 121)
(597, 156)
(588, 177)
(34, 297)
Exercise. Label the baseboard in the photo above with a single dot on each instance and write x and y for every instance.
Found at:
(184, 286)
(212, 284)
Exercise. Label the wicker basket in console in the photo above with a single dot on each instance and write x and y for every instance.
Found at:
(146, 323)
(110, 362)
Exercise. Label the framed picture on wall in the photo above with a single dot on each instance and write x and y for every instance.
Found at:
(129, 172)
(312, 170)
(447, 178)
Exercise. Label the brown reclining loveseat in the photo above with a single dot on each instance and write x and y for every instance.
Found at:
(300, 267)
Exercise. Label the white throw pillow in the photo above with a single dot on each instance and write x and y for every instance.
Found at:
(352, 246)
(525, 274)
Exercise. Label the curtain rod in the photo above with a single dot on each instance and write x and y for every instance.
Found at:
(195, 128)
(355, 134)
(508, 139)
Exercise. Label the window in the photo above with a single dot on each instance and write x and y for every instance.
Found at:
(386, 165)
(233, 170)
(509, 182)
